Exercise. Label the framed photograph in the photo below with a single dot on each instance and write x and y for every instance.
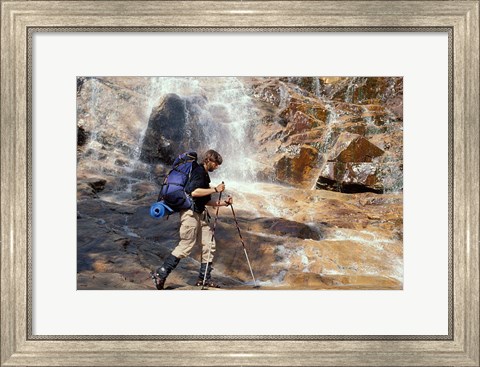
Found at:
(266, 141)
(336, 145)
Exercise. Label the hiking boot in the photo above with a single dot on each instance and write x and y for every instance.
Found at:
(159, 282)
(201, 276)
(160, 275)
(208, 283)
(205, 267)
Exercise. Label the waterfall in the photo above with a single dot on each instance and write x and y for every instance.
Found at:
(221, 108)
(153, 90)
(368, 118)
(219, 115)
(231, 139)
(94, 102)
(332, 115)
(350, 90)
(317, 87)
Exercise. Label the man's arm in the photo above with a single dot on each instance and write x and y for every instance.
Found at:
(202, 192)
(205, 192)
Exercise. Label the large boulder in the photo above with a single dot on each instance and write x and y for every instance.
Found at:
(297, 166)
(351, 167)
(166, 128)
(311, 107)
(173, 128)
(89, 187)
(354, 148)
(350, 177)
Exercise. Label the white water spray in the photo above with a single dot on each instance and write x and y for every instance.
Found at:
(231, 138)
(225, 115)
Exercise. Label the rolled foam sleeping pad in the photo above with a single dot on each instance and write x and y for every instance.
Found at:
(160, 209)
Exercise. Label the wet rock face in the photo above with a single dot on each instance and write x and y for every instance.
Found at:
(295, 167)
(350, 177)
(82, 136)
(364, 90)
(354, 149)
(166, 129)
(350, 166)
(295, 239)
(173, 128)
(324, 114)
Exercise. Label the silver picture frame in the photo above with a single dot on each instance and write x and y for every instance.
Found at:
(19, 22)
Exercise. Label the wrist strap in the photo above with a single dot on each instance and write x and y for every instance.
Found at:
(215, 189)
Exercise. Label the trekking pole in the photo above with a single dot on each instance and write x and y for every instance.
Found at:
(244, 248)
(211, 241)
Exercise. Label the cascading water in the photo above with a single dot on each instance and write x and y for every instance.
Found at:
(222, 110)
(94, 104)
(368, 117)
(155, 88)
(218, 109)
(231, 140)
(317, 87)
(350, 91)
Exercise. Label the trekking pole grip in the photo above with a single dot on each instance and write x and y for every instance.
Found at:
(220, 196)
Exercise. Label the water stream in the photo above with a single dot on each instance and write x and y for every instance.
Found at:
(225, 115)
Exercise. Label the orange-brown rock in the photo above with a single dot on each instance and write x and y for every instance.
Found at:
(350, 177)
(377, 114)
(319, 116)
(350, 166)
(308, 106)
(311, 137)
(299, 122)
(296, 167)
(358, 127)
(353, 148)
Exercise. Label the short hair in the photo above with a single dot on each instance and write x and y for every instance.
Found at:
(212, 156)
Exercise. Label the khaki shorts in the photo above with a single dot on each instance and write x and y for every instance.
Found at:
(194, 230)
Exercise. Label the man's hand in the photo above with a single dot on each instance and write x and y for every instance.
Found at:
(220, 187)
(229, 201)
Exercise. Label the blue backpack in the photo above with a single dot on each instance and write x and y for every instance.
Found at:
(172, 196)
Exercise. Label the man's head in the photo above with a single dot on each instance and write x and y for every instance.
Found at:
(212, 160)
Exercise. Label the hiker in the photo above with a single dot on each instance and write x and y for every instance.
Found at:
(195, 222)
